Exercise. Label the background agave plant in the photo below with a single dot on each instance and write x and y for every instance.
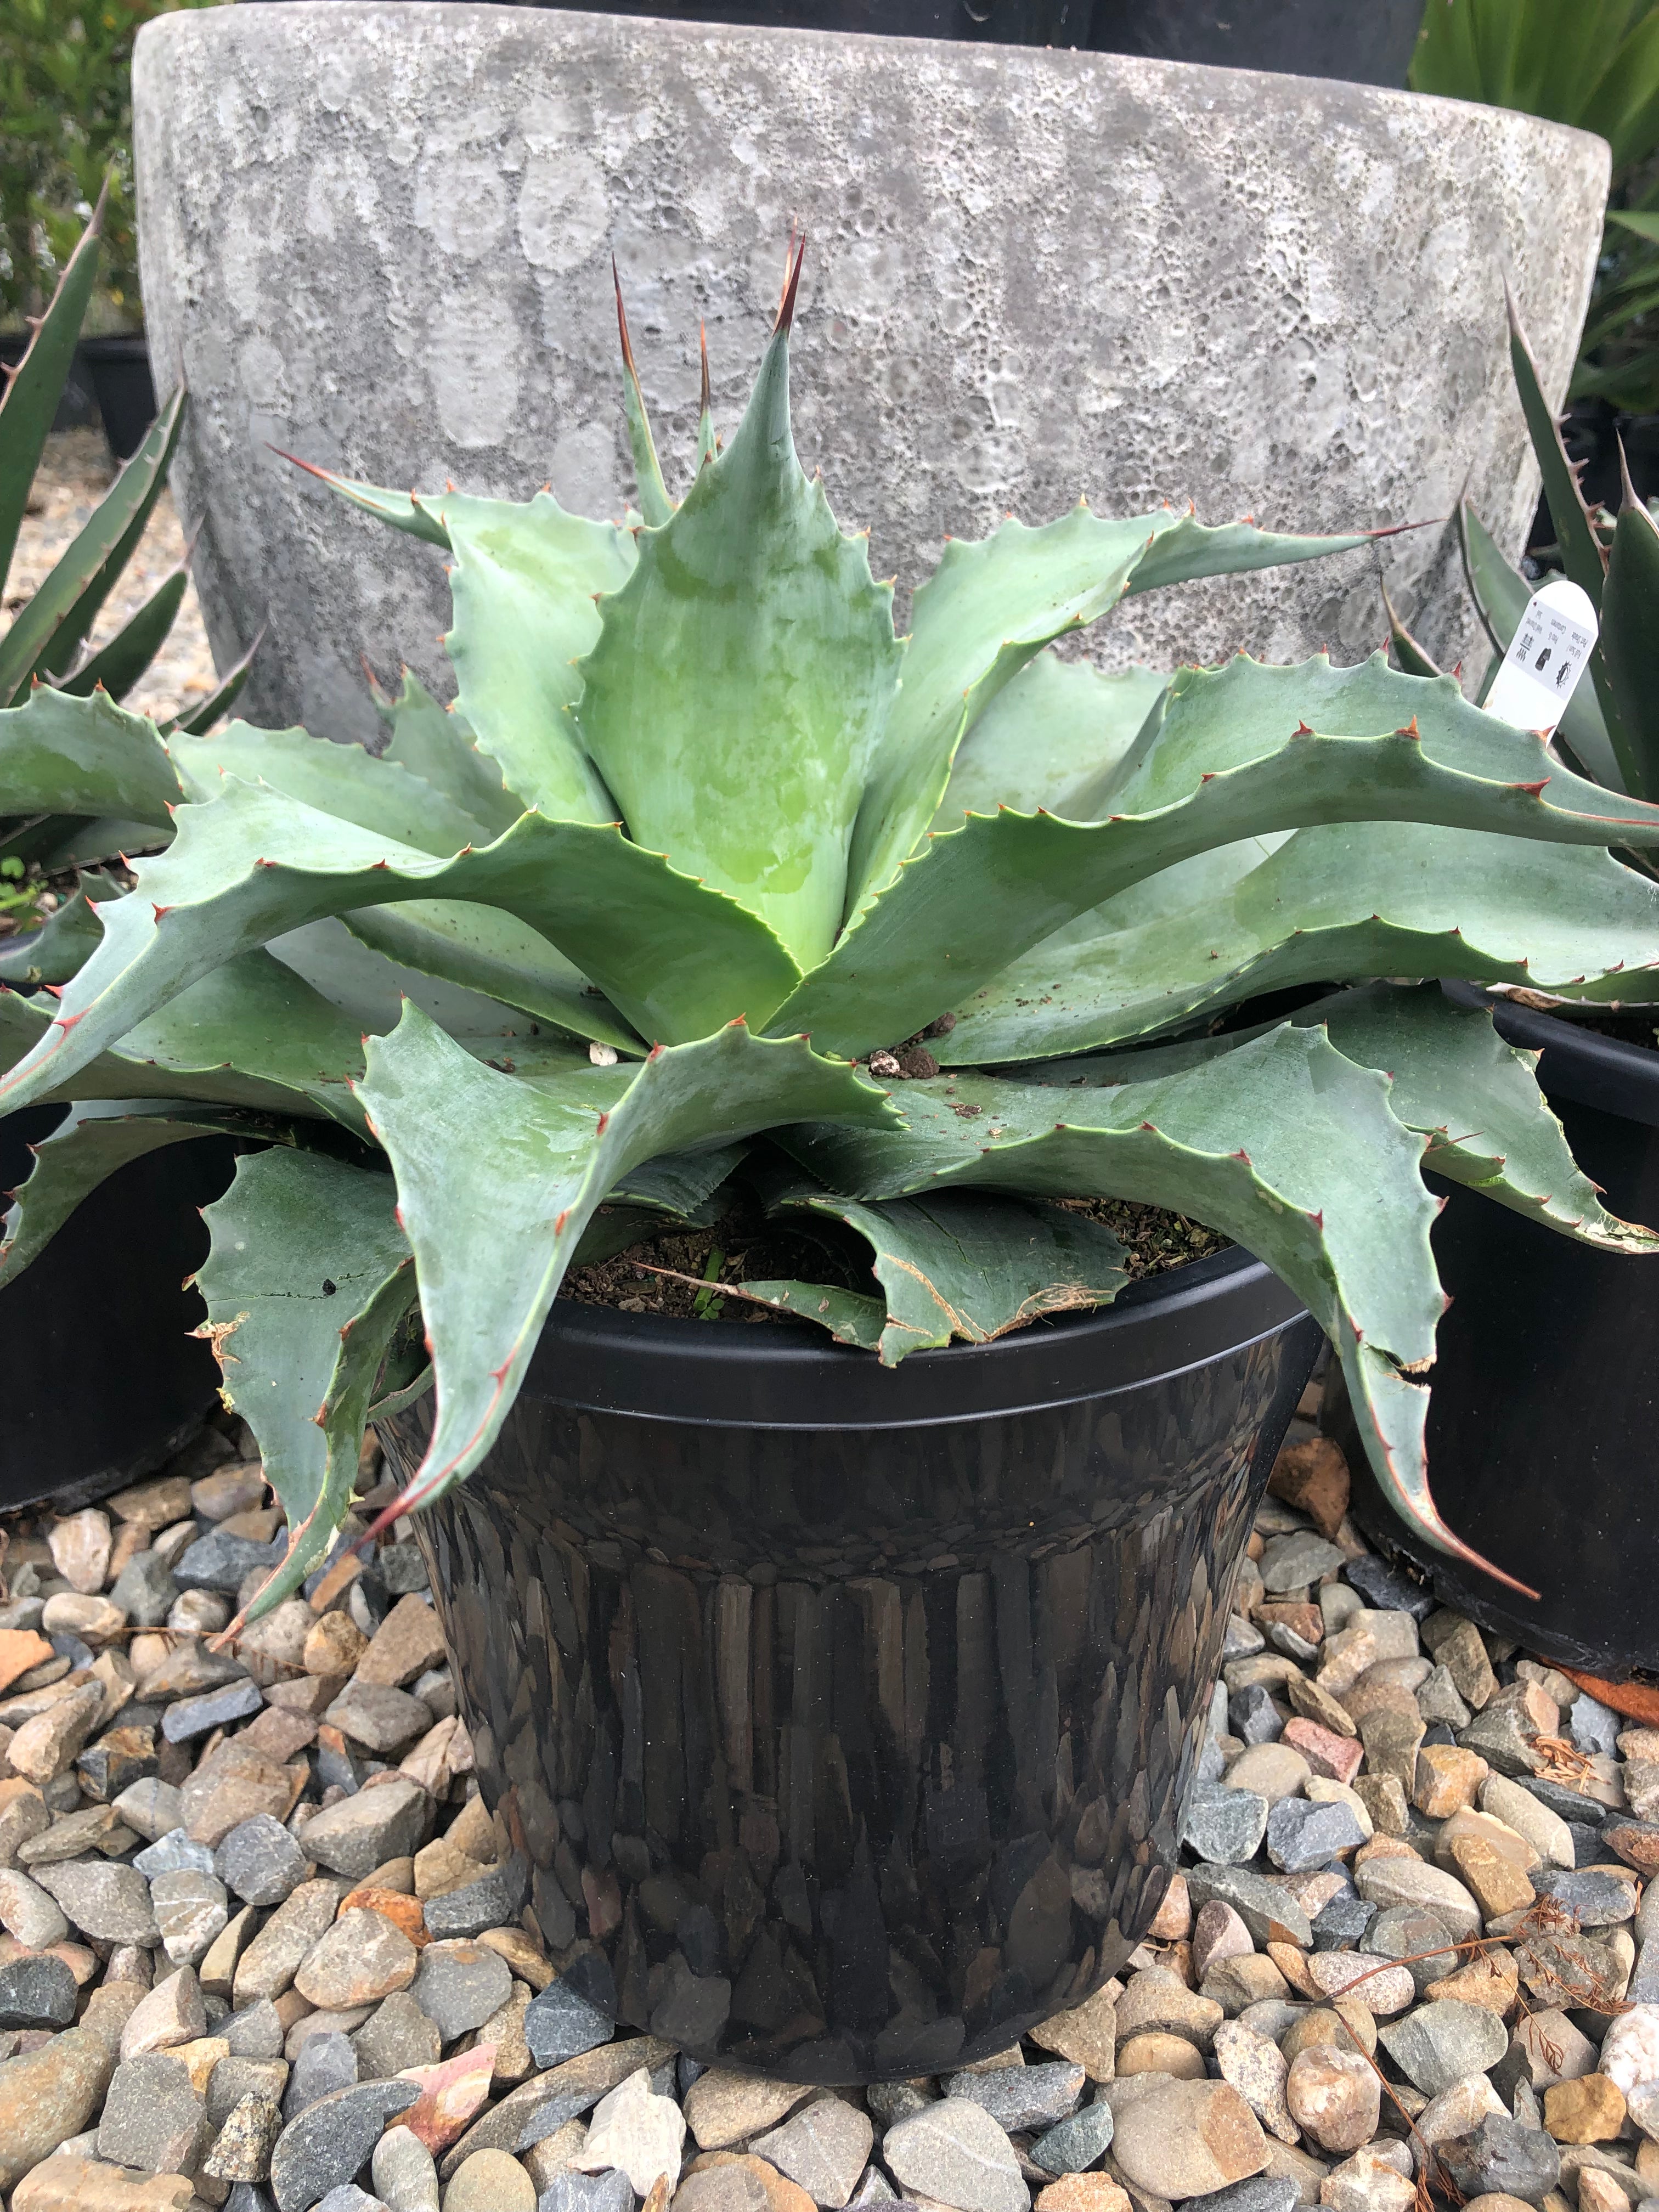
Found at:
(700, 815)
(1611, 728)
(47, 643)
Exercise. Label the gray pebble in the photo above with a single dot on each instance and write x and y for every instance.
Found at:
(36, 1991)
(260, 1860)
(222, 1562)
(398, 2035)
(495, 1900)
(1077, 2143)
(1293, 1562)
(1019, 2097)
(1224, 1826)
(1262, 2192)
(1594, 1727)
(1303, 1837)
(1503, 2157)
(330, 2141)
(1595, 1900)
(256, 2032)
(154, 2119)
(459, 1985)
(173, 1853)
(325, 2062)
(1341, 1924)
(562, 2024)
(144, 1589)
(348, 2197)
(404, 2173)
(1384, 1591)
(188, 1717)
(606, 2192)
(1440, 2043)
(1253, 1717)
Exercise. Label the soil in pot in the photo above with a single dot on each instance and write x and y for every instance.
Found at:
(847, 1714)
(1546, 1400)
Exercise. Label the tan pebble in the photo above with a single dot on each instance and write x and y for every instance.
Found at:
(1335, 2097)
(1495, 1881)
(334, 1645)
(701, 2195)
(1087, 2034)
(1155, 2052)
(1174, 1916)
(1489, 1980)
(1589, 2110)
(525, 1957)
(402, 1910)
(1313, 1477)
(489, 2181)
(1601, 2192)
(80, 1548)
(1291, 1961)
(473, 1830)
(441, 1868)
(1449, 1780)
(1084, 2192)
(64, 2182)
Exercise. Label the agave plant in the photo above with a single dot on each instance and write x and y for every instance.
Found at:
(1610, 731)
(47, 643)
(703, 854)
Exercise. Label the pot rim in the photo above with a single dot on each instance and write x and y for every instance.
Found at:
(788, 1375)
(1578, 1064)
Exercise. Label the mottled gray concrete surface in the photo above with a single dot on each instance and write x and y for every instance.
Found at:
(379, 236)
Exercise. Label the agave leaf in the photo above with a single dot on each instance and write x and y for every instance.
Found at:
(1500, 594)
(251, 1033)
(849, 1316)
(742, 674)
(497, 1179)
(1408, 654)
(201, 718)
(481, 949)
(971, 1265)
(655, 505)
(341, 780)
(1477, 1099)
(524, 585)
(1282, 1143)
(86, 1148)
(64, 756)
(411, 511)
(1353, 900)
(990, 605)
(51, 629)
(1630, 639)
(119, 662)
(434, 743)
(676, 958)
(308, 1276)
(70, 843)
(1581, 549)
(1047, 738)
(37, 384)
(60, 947)
(1228, 761)
(683, 1184)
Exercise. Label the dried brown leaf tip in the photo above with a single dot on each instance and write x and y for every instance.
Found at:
(791, 286)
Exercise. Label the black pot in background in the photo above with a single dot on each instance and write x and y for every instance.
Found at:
(77, 408)
(1545, 1397)
(118, 368)
(1367, 41)
(102, 1382)
(852, 1711)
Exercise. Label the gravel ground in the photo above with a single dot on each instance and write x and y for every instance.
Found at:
(262, 1946)
(75, 472)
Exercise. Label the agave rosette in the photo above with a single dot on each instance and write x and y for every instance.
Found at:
(698, 807)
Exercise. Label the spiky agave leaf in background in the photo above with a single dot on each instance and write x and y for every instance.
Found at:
(703, 849)
(47, 641)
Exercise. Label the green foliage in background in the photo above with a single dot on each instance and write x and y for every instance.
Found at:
(1594, 63)
(65, 123)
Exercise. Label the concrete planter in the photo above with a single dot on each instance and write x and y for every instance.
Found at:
(377, 236)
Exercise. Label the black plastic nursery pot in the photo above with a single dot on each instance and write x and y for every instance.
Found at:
(102, 1382)
(1544, 1422)
(118, 368)
(1365, 41)
(851, 1711)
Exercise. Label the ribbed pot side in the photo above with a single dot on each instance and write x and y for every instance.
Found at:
(379, 237)
(856, 1751)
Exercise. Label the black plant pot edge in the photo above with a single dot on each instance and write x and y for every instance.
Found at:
(789, 1375)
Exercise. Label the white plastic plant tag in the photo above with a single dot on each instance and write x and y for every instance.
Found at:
(1547, 655)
